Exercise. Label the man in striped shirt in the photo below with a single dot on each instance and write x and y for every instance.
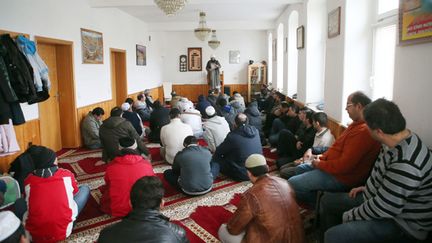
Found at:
(395, 205)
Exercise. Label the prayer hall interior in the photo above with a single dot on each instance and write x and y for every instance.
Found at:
(316, 52)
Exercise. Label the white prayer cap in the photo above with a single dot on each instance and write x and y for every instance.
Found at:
(125, 106)
(213, 56)
(9, 223)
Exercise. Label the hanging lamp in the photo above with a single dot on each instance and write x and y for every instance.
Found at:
(202, 32)
(214, 42)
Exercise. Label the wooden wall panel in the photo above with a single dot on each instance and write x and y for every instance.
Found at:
(155, 93)
(336, 127)
(83, 111)
(241, 88)
(190, 91)
(25, 134)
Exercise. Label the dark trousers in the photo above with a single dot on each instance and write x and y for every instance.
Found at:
(171, 178)
(228, 168)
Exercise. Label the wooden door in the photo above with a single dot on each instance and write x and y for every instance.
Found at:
(118, 76)
(50, 130)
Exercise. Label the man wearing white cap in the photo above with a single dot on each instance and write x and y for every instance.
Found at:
(213, 73)
(267, 211)
(11, 229)
(216, 129)
(133, 117)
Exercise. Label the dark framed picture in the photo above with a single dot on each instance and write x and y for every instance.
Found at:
(300, 37)
(91, 46)
(415, 22)
(141, 55)
(183, 63)
(194, 59)
(334, 23)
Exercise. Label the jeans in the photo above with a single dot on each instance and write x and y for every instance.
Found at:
(333, 205)
(368, 231)
(214, 168)
(307, 183)
(80, 199)
(228, 168)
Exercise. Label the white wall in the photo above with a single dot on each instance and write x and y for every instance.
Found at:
(63, 19)
(413, 86)
(334, 70)
(251, 44)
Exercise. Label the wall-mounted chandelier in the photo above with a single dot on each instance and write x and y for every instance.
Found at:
(170, 7)
(214, 42)
(202, 32)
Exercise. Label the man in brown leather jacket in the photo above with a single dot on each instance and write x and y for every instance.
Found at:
(267, 211)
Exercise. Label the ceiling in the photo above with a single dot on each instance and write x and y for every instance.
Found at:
(221, 14)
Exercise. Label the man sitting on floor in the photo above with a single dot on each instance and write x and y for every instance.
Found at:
(114, 128)
(120, 175)
(133, 118)
(191, 169)
(396, 203)
(144, 223)
(267, 211)
(90, 128)
(53, 199)
(230, 156)
(158, 118)
(346, 164)
(216, 129)
(173, 135)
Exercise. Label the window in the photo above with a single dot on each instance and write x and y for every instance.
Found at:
(384, 49)
(280, 57)
(270, 59)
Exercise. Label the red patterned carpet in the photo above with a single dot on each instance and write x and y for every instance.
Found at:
(200, 216)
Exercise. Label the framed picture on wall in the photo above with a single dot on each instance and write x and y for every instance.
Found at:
(415, 21)
(194, 59)
(334, 23)
(141, 55)
(234, 57)
(91, 46)
(300, 37)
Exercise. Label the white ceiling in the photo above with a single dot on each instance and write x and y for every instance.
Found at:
(221, 14)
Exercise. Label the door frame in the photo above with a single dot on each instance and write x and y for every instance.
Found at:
(118, 75)
(69, 126)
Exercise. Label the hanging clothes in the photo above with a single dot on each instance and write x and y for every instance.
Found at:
(19, 69)
(8, 141)
(40, 69)
(9, 104)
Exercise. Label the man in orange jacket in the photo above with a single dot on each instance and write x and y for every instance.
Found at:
(347, 162)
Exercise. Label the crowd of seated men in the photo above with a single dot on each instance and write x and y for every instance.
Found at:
(373, 183)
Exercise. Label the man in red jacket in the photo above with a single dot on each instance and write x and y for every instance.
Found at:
(52, 198)
(121, 174)
(346, 164)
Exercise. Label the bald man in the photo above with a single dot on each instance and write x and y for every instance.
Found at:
(230, 156)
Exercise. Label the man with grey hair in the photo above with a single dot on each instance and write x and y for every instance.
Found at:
(230, 156)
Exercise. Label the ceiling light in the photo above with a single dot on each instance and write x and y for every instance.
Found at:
(214, 43)
(170, 7)
(202, 32)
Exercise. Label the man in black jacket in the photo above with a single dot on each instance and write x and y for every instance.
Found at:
(145, 223)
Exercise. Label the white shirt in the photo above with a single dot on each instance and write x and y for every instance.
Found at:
(192, 117)
(324, 138)
(172, 136)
